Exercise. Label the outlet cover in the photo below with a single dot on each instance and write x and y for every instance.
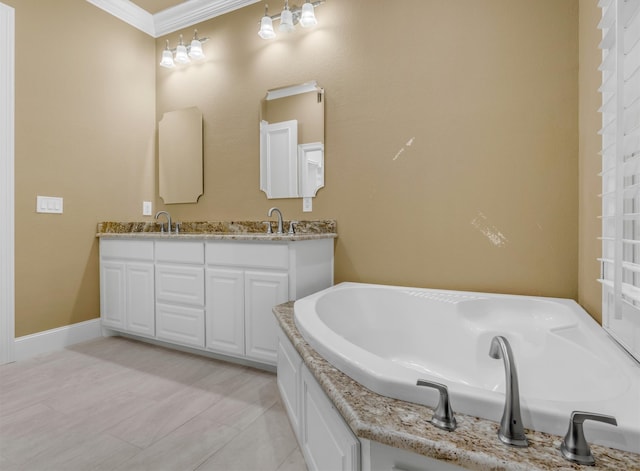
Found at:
(147, 208)
(307, 204)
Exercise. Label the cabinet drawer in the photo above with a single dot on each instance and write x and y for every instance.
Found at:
(248, 254)
(127, 249)
(173, 251)
(180, 324)
(184, 285)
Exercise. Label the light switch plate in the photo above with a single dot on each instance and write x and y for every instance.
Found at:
(307, 204)
(147, 208)
(49, 204)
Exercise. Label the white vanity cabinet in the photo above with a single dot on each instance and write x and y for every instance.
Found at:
(245, 279)
(326, 441)
(210, 294)
(179, 275)
(127, 286)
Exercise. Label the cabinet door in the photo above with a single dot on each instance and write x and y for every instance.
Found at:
(327, 441)
(140, 299)
(225, 310)
(263, 290)
(289, 380)
(112, 294)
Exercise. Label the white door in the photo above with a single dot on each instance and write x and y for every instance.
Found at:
(224, 317)
(263, 291)
(279, 158)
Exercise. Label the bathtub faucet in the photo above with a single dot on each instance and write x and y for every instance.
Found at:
(511, 430)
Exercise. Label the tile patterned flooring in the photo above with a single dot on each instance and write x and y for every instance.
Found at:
(119, 404)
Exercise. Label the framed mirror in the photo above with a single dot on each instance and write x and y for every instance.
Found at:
(292, 141)
(180, 156)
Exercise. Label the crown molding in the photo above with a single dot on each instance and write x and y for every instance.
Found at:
(128, 12)
(172, 19)
(193, 12)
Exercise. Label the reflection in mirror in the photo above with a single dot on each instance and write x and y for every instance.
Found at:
(180, 156)
(292, 141)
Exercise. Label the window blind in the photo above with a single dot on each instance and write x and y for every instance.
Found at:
(620, 90)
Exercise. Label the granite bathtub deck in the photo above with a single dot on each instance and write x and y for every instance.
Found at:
(221, 230)
(473, 445)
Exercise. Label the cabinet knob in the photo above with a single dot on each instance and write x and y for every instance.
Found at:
(574, 447)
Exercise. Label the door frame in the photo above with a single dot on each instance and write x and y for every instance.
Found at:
(7, 184)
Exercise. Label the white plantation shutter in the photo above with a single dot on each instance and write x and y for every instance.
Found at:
(620, 131)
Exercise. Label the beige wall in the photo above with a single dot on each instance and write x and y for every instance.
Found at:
(85, 118)
(448, 126)
(589, 292)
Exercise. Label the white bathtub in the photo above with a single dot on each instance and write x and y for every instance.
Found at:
(386, 337)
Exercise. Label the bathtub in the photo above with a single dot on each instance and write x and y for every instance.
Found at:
(387, 337)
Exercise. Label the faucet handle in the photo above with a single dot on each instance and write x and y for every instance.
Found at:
(292, 229)
(443, 416)
(268, 224)
(574, 447)
(178, 224)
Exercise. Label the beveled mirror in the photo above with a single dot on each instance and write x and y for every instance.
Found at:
(292, 141)
(180, 177)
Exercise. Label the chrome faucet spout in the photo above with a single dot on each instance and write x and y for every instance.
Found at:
(168, 216)
(511, 429)
(279, 213)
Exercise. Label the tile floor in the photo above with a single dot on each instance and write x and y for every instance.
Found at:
(119, 404)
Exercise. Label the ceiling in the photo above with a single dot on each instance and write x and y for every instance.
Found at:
(160, 17)
(154, 6)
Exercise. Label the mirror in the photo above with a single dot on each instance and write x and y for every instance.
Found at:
(292, 141)
(180, 156)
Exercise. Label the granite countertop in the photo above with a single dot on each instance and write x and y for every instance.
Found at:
(220, 230)
(473, 445)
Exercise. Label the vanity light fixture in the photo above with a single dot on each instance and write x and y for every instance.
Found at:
(183, 54)
(289, 17)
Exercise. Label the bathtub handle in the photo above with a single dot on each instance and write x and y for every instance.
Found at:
(443, 416)
(574, 447)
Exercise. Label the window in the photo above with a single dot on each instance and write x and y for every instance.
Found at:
(620, 131)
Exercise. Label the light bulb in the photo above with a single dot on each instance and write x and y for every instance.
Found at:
(308, 16)
(266, 28)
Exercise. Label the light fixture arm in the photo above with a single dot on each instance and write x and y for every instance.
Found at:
(188, 46)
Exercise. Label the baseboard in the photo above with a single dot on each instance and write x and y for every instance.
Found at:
(29, 346)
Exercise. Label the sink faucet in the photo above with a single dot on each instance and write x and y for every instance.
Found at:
(271, 211)
(511, 430)
(168, 221)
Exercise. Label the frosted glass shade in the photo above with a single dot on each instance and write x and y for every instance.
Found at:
(181, 55)
(308, 16)
(196, 50)
(167, 59)
(286, 21)
(266, 28)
